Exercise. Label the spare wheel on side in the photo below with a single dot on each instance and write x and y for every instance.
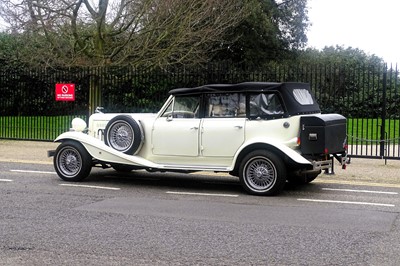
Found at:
(124, 134)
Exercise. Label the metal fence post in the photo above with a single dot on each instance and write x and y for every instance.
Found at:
(95, 97)
(383, 114)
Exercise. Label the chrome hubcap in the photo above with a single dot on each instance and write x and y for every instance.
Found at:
(260, 174)
(70, 161)
(121, 136)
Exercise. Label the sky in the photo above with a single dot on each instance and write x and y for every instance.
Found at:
(370, 25)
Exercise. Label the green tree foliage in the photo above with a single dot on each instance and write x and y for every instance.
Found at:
(8, 49)
(352, 80)
(339, 55)
(274, 30)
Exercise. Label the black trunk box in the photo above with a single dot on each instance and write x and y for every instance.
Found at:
(323, 133)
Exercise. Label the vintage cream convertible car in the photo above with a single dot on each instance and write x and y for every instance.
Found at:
(265, 133)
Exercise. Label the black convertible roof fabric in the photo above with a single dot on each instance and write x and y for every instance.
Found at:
(287, 90)
(245, 86)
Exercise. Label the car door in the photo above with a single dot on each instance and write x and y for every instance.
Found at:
(176, 131)
(222, 130)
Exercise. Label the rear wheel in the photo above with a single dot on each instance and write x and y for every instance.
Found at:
(262, 173)
(72, 162)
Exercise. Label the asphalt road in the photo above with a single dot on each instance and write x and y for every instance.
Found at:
(143, 218)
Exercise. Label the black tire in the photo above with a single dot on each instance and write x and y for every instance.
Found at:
(123, 134)
(72, 162)
(262, 173)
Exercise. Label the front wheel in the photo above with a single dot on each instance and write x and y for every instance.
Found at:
(262, 173)
(72, 162)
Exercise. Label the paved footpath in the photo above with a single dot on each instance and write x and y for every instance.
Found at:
(26, 151)
(361, 171)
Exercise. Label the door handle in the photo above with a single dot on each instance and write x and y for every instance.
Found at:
(194, 128)
(239, 127)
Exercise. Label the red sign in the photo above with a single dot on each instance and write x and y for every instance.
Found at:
(65, 92)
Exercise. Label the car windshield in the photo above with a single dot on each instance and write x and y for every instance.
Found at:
(183, 107)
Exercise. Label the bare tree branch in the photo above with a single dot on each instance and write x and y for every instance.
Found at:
(135, 32)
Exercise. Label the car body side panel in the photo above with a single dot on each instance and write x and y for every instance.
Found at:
(103, 153)
(100, 151)
(221, 137)
(175, 137)
(281, 130)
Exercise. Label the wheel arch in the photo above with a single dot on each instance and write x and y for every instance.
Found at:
(289, 157)
(71, 140)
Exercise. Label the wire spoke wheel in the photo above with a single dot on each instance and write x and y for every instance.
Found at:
(124, 134)
(121, 136)
(262, 173)
(72, 162)
(69, 161)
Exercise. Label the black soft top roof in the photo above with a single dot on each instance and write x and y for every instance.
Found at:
(245, 86)
(290, 92)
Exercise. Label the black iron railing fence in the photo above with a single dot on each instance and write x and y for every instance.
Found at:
(367, 95)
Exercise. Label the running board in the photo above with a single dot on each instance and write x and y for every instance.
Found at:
(194, 168)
